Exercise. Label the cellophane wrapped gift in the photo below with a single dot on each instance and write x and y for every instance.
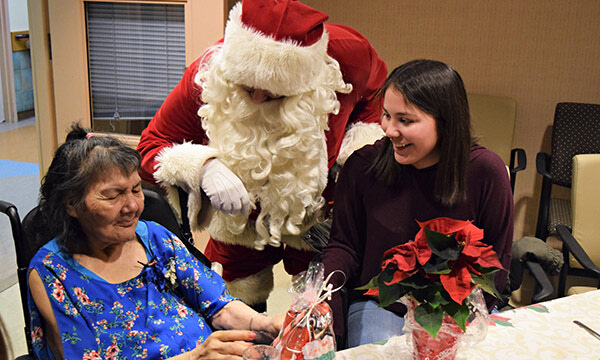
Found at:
(307, 332)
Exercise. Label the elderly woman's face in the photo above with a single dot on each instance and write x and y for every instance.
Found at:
(112, 209)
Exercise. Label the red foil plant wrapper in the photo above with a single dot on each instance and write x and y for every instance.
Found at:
(450, 336)
(307, 331)
(438, 269)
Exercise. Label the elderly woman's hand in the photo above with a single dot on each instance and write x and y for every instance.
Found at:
(267, 327)
(223, 344)
(276, 323)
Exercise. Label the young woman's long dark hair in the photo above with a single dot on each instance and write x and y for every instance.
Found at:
(437, 89)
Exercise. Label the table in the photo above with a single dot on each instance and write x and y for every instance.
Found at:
(541, 331)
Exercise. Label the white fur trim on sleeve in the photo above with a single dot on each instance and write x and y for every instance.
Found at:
(358, 135)
(254, 289)
(182, 166)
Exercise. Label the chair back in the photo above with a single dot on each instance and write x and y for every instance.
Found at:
(22, 253)
(585, 205)
(493, 121)
(576, 130)
(157, 209)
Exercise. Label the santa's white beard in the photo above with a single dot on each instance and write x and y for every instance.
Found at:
(278, 150)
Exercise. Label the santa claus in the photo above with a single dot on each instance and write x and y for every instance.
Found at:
(253, 128)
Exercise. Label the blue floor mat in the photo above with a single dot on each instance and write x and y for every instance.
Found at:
(10, 168)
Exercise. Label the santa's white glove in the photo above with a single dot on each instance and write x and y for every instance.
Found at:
(224, 189)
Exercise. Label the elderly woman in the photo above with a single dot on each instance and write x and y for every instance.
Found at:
(112, 286)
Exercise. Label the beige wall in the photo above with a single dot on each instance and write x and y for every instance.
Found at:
(538, 52)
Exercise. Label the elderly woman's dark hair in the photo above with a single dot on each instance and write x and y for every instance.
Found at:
(80, 162)
(437, 89)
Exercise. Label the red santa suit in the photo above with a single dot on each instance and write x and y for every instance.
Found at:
(283, 47)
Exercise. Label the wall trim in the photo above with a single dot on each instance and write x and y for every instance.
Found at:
(7, 77)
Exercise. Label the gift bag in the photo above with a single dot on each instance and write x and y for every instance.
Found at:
(307, 332)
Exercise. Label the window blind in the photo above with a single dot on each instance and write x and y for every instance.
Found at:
(136, 56)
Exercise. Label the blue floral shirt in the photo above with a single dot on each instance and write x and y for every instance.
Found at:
(158, 314)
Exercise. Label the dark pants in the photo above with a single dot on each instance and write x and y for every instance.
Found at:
(240, 261)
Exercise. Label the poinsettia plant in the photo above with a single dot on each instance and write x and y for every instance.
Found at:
(438, 269)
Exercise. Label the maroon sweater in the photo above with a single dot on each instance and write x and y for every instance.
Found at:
(370, 217)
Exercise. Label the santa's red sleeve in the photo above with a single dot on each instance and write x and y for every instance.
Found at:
(173, 147)
(358, 121)
(175, 122)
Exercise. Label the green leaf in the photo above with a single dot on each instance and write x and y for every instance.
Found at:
(486, 282)
(382, 342)
(372, 284)
(460, 313)
(538, 308)
(388, 294)
(484, 270)
(437, 298)
(502, 322)
(417, 281)
(437, 265)
(428, 294)
(429, 318)
(442, 245)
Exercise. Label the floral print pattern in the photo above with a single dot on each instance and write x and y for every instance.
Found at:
(156, 315)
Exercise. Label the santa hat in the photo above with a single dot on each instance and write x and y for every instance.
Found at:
(275, 45)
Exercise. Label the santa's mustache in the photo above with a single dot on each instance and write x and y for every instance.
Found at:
(268, 112)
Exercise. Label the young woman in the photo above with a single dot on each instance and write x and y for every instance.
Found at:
(426, 166)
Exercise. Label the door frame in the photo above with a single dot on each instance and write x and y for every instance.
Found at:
(7, 77)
